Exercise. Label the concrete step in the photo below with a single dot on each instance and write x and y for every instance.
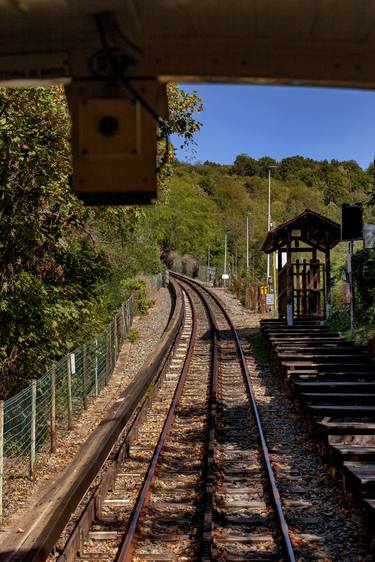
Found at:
(338, 398)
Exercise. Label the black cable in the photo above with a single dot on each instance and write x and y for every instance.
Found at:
(117, 74)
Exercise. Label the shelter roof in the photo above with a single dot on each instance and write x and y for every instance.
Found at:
(314, 229)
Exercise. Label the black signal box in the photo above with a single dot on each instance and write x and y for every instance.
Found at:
(351, 221)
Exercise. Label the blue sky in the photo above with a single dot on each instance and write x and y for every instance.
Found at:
(282, 121)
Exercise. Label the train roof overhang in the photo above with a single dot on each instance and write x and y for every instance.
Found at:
(296, 42)
(329, 43)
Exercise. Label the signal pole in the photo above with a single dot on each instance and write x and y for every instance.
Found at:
(225, 258)
(247, 243)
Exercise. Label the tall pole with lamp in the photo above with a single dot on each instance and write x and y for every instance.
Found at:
(247, 243)
(269, 224)
(225, 275)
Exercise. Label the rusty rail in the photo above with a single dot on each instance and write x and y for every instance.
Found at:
(43, 529)
(287, 545)
(126, 551)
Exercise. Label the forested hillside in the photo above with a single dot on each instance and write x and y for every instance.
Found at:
(207, 200)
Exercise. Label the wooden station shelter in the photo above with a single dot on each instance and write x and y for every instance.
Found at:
(303, 245)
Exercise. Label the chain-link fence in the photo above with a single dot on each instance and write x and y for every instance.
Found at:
(30, 420)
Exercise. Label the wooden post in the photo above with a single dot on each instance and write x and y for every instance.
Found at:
(328, 296)
(298, 288)
(279, 268)
(96, 368)
(69, 385)
(33, 428)
(289, 281)
(84, 376)
(53, 409)
(1, 457)
(304, 287)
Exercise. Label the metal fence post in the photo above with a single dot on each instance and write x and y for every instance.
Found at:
(33, 428)
(1, 457)
(110, 352)
(122, 324)
(107, 352)
(69, 384)
(96, 368)
(53, 409)
(84, 372)
(115, 342)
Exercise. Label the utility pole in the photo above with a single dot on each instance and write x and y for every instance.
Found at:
(225, 259)
(269, 216)
(247, 243)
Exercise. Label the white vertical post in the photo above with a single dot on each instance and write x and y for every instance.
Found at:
(225, 258)
(1, 457)
(269, 219)
(96, 368)
(247, 243)
(69, 389)
(33, 428)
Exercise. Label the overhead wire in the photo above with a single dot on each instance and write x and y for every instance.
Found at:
(118, 65)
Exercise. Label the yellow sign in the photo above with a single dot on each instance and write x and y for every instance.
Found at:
(264, 290)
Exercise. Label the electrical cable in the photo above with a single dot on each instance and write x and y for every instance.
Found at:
(117, 65)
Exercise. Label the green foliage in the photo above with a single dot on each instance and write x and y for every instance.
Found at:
(136, 287)
(363, 265)
(62, 266)
(49, 267)
(133, 336)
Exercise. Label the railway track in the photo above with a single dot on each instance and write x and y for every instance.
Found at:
(190, 477)
(195, 480)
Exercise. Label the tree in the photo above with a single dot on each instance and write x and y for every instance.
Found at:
(245, 166)
(264, 164)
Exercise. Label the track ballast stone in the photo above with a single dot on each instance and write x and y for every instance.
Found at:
(323, 525)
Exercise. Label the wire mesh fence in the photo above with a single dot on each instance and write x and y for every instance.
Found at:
(30, 420)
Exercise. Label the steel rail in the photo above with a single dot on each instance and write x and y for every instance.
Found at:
(287, 544)
(127, 547)
(92, 509)
(207, 534)
(44, 526)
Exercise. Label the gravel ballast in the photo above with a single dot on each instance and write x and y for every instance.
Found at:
(323, 525)
(23, 494)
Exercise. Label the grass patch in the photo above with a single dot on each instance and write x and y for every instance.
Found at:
(133, 336)
(259, 348)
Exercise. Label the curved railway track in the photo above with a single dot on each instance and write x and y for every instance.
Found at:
(179, 470)
(193, 480)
